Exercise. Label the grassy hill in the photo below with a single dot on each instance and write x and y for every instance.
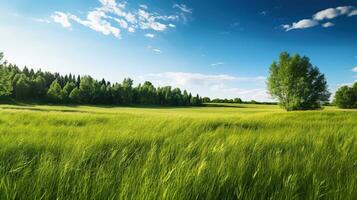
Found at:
(214, 152)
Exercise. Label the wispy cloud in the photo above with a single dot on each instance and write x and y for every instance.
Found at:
(304, 23)
(144, 7)
(258, 94)
(217, 64)
(149, 35)
(183, 78)
(96, 21)
(213, 85)
(331, 13)
(328, 24)
(326, 14)
(40, 20)
(156, 50)
(61, 18)
(112, 17)
(235, 25)
(264, 12)
(183, 8)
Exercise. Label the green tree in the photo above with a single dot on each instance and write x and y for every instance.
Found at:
(346, 97)
(96, 93)
(27, 83)
(177, 99)
(147, 93)
(297, 84)
(67, 89)
(238, 100)
(22, 87)
(86, 89)
(168, 95)
(39, 87)
(127, 91)
(186, 98)
(55, 93)
(5, 80)
(5, 84)
(74, 96)
(206, 100)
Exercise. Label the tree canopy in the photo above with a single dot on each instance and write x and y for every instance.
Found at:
(28, 84)
(346, 97)
(297, 84)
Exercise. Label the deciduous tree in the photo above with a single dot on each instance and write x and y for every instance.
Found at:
(297, 84)
(346, 97)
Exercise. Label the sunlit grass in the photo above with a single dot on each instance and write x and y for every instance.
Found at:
(240, 152)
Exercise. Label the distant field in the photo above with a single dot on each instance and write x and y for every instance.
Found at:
(235, 152)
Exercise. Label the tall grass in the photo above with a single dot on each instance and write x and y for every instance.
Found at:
(252, 152)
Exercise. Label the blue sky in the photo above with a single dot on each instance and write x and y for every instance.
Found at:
(214, 48)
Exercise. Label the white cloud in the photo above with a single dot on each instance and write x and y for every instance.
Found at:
(157, 51)
(304, 23)
(96, 21)
(131, 29)
(144, 7)
(212, 85)
(109, 3)
(352, 13)
(157, 26)
(149, 21)
(183, 8)
(111, 17)
(344, 10)
(46, 21)
(184, 79)
(149, 35)
(328, 24)
(61, 18)
(329, 13)
(264, 12)
(235, 24)
(122, 23)
(354, 69)
(258, 94)
(216, 64)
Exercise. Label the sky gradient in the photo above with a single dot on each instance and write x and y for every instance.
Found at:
(214, 48)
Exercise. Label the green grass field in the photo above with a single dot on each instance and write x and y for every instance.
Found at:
(236, 152)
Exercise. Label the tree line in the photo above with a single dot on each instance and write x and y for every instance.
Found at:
(28, 84)
(235, 101)
(293, 81)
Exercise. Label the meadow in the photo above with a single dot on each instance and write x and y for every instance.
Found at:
(215, 152)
